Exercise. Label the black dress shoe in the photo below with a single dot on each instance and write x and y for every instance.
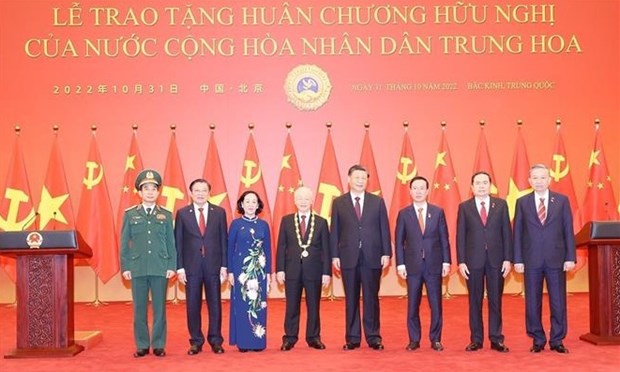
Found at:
(350, 345)
(377, 346)
(140, 353)
(560, 348)
(474, 346)
(317, 344)
(217, 349)
(194, 349)
(499, 346)
(537, 348)
(159, 352)
(413, 346)
(286, 346)
(243, 350)
(437, 346)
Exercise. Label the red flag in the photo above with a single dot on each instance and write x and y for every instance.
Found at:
(213, 173)
(55, 208)
(367, 160)
(561, 181)
(405, 171)
(129, 194)
(518, 185)
(96, 218)
(482, 162)
(252, 179)
(173, 190)
(16, 209)
(290, 179)
(445, 192)
(330, 184)
(599, 201)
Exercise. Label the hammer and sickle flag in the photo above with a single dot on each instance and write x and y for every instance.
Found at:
(16, 209)
(330, 183)
(482, 162)
(562, 182)
(252, 179)
(406, 169)
(95, 218)
(129, 194)
(174, 193)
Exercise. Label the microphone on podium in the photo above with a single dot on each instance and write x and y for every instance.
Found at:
(29, 221)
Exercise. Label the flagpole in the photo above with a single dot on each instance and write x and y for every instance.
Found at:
(97, 302)
(445, 281)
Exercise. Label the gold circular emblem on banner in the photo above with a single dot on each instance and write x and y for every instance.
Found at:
(307, 87)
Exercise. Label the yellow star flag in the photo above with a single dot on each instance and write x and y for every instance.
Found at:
(129, 194)
(599, 203)
(290, 179)
(406, 169)
(445, 191)
(213, 173)
(55, 209)
(518, 184)
(367, 160)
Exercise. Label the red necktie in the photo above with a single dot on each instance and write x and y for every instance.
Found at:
(542, 211)
(358, 208)
(483, 213)
(421, 219)
(302, 225)
(202, 225)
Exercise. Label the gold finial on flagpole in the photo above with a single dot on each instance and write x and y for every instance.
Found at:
(519, 122)
(251, 126)
(288, 126)
(597, 123)
(212, 127)
(18, 129)
(93, 128)
(443, 125)
(55, 129)
(366, 125)
(405, 124)
(482, 123)
(558, 123)
(173, 127)
(134, 127)
(328, 125)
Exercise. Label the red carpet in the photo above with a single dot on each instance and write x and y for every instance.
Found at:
(115, 352)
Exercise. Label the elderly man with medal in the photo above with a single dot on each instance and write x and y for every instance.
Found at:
(303, 263)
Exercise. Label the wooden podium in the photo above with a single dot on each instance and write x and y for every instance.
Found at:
(603, 243)
(44, 290)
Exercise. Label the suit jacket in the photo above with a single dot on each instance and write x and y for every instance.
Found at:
(288, 255)
(540, 245)
(147, 242)
(372, 231)
(475, 241)
(189, 240)
(410, 242)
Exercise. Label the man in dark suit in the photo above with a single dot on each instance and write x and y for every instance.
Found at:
(201, 239)
(484, 252)
(303, 263)
(422, 258)
(544, 245)
(361, 249)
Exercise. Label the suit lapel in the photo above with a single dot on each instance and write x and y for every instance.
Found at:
(551, 208)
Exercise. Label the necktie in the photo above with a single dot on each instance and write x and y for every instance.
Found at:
(148, 211)
(358, 208)
(483, 213)
(542, 211)
(202, 225)
(302, 226)
(421, 219)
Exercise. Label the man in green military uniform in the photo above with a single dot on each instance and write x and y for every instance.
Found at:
(148, 260)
